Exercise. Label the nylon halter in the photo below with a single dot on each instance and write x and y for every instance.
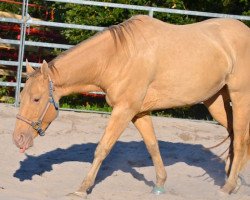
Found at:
(37, 125)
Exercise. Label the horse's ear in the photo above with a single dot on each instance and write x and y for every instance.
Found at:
(29, 69)
(45, 69)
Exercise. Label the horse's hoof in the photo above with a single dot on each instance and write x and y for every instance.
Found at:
(158, 190)
(77, 195)
(228, 188)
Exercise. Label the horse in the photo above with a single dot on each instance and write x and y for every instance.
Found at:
(144, 64)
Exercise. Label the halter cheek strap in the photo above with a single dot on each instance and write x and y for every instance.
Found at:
(37, 125)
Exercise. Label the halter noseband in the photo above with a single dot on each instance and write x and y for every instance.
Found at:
(37, 125)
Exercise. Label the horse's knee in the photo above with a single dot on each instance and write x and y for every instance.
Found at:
(101, 152)
(153, 149)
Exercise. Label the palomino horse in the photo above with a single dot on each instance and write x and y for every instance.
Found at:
(142, 65)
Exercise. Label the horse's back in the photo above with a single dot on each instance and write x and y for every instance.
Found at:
(232, 30)
(226, 42)
(192, 62)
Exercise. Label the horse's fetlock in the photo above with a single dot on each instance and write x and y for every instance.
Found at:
(162, 176)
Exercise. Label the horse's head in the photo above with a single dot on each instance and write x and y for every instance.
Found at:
(38, 108)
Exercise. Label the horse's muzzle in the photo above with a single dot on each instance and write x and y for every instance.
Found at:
(23, 141)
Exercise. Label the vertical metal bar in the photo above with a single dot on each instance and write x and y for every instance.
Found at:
(151, 13)
(21, 51)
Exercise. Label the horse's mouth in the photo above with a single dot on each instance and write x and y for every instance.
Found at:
(25, 147)
(22, 150)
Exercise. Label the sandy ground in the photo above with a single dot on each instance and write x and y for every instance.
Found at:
(59, 161)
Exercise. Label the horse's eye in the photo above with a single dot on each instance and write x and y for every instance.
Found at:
(36, 100)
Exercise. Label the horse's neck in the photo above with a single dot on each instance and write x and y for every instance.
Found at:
(81, 69)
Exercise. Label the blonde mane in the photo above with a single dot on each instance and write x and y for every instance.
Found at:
(118, 33)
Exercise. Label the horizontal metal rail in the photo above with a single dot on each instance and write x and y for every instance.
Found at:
(11, 63)
(153, 9)
(124, 6)
(7, 41)
(53, 24)
(66, 25)
(15, 63)
(10, 84)
(10, 20)
(48, 45)
(37, 44)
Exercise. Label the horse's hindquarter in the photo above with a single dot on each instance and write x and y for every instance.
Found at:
(193, 64)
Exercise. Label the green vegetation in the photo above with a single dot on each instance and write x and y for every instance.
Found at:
(6, 93)
(104, 16)
(78, 101)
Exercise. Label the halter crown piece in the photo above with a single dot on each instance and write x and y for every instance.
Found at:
(37, 125)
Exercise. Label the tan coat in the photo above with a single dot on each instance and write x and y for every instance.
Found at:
(144, 64)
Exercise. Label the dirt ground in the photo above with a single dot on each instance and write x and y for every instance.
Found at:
(59, 161)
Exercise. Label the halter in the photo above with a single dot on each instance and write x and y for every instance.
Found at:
(37, 125)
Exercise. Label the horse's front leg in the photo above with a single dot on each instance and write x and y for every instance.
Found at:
(119, 120)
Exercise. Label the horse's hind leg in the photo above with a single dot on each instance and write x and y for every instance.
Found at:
(249, 144)
(144, 124)
(221, 110)
(241, 120)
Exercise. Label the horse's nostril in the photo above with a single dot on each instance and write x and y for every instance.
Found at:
(18, 140)
(21, 138)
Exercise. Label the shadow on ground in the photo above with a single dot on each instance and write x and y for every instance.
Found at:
(125, 156)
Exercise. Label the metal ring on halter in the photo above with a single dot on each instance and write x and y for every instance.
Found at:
(37, 125)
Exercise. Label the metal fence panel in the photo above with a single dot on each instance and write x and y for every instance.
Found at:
(27, 21)
(153, 9)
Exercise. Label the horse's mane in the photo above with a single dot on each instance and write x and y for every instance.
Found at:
(118, 33)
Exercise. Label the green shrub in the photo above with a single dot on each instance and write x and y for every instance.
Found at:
(77, 101)
(6, 93)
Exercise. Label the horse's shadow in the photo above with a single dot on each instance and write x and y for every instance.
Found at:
(126, 156)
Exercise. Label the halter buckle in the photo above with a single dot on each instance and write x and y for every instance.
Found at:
(38, 128)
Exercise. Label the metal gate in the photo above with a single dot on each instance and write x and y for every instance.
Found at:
(26, 21)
